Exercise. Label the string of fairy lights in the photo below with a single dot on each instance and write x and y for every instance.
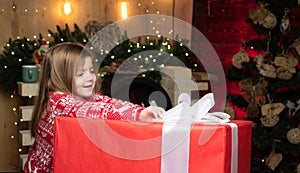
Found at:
(14, 8)
(147, 7)
(15, 111)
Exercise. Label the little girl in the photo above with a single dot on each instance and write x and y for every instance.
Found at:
(67, 88)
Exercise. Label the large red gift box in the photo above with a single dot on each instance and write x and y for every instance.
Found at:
(95, 145)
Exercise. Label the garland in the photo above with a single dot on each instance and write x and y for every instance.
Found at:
(20, 51)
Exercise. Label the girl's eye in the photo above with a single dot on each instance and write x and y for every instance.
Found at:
(79, 73)
(92, 70)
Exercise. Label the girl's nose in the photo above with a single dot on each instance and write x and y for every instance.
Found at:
(90, 76)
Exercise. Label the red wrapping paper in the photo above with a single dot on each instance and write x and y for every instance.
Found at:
(75, 149)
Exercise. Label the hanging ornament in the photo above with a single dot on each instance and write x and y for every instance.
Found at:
(284, 73)
(272, 108)
(291, 107)
(39, 54)
(240, 58)
(270, 21)
(269, 120)
(286, 66)
(270, 114)
(262, 16)
(264, 67)
(285, 22)
(293, 135)
(285, 60)
(273, 159)
(264, 62)
(254, 94)
(295, 47)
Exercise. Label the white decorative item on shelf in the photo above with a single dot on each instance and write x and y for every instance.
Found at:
(25, 115)
(178, 79)
(22, 159)
(175, 80)
(26, 112)
(25, 138)
(28, 89)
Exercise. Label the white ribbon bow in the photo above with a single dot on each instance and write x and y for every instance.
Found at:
(198, 112)
(176, 138)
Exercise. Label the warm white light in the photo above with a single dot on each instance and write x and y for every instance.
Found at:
(67, 8)
(124, 10)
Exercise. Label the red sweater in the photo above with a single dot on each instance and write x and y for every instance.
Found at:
(40, 156)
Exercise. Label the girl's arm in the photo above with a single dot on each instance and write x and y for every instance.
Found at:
(103, 107)
(144, 114)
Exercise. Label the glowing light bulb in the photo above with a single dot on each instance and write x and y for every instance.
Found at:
(124, 10)
(67, 8)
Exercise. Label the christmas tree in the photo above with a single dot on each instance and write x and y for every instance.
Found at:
(264, 84)
(20, 51)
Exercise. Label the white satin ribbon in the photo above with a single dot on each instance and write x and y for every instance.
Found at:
(176, 132)
(234, 147)
(175, 145)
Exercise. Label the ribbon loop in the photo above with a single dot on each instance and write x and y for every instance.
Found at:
(198, 112)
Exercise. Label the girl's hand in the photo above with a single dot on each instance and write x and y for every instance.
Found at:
(151, 112)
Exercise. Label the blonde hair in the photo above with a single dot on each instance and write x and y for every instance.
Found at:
(57, 74)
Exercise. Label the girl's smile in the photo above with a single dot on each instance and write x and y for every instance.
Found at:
(84, 80)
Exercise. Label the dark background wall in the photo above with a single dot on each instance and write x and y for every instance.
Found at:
(223, 23)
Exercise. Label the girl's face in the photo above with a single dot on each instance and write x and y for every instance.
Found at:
(85, 79)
